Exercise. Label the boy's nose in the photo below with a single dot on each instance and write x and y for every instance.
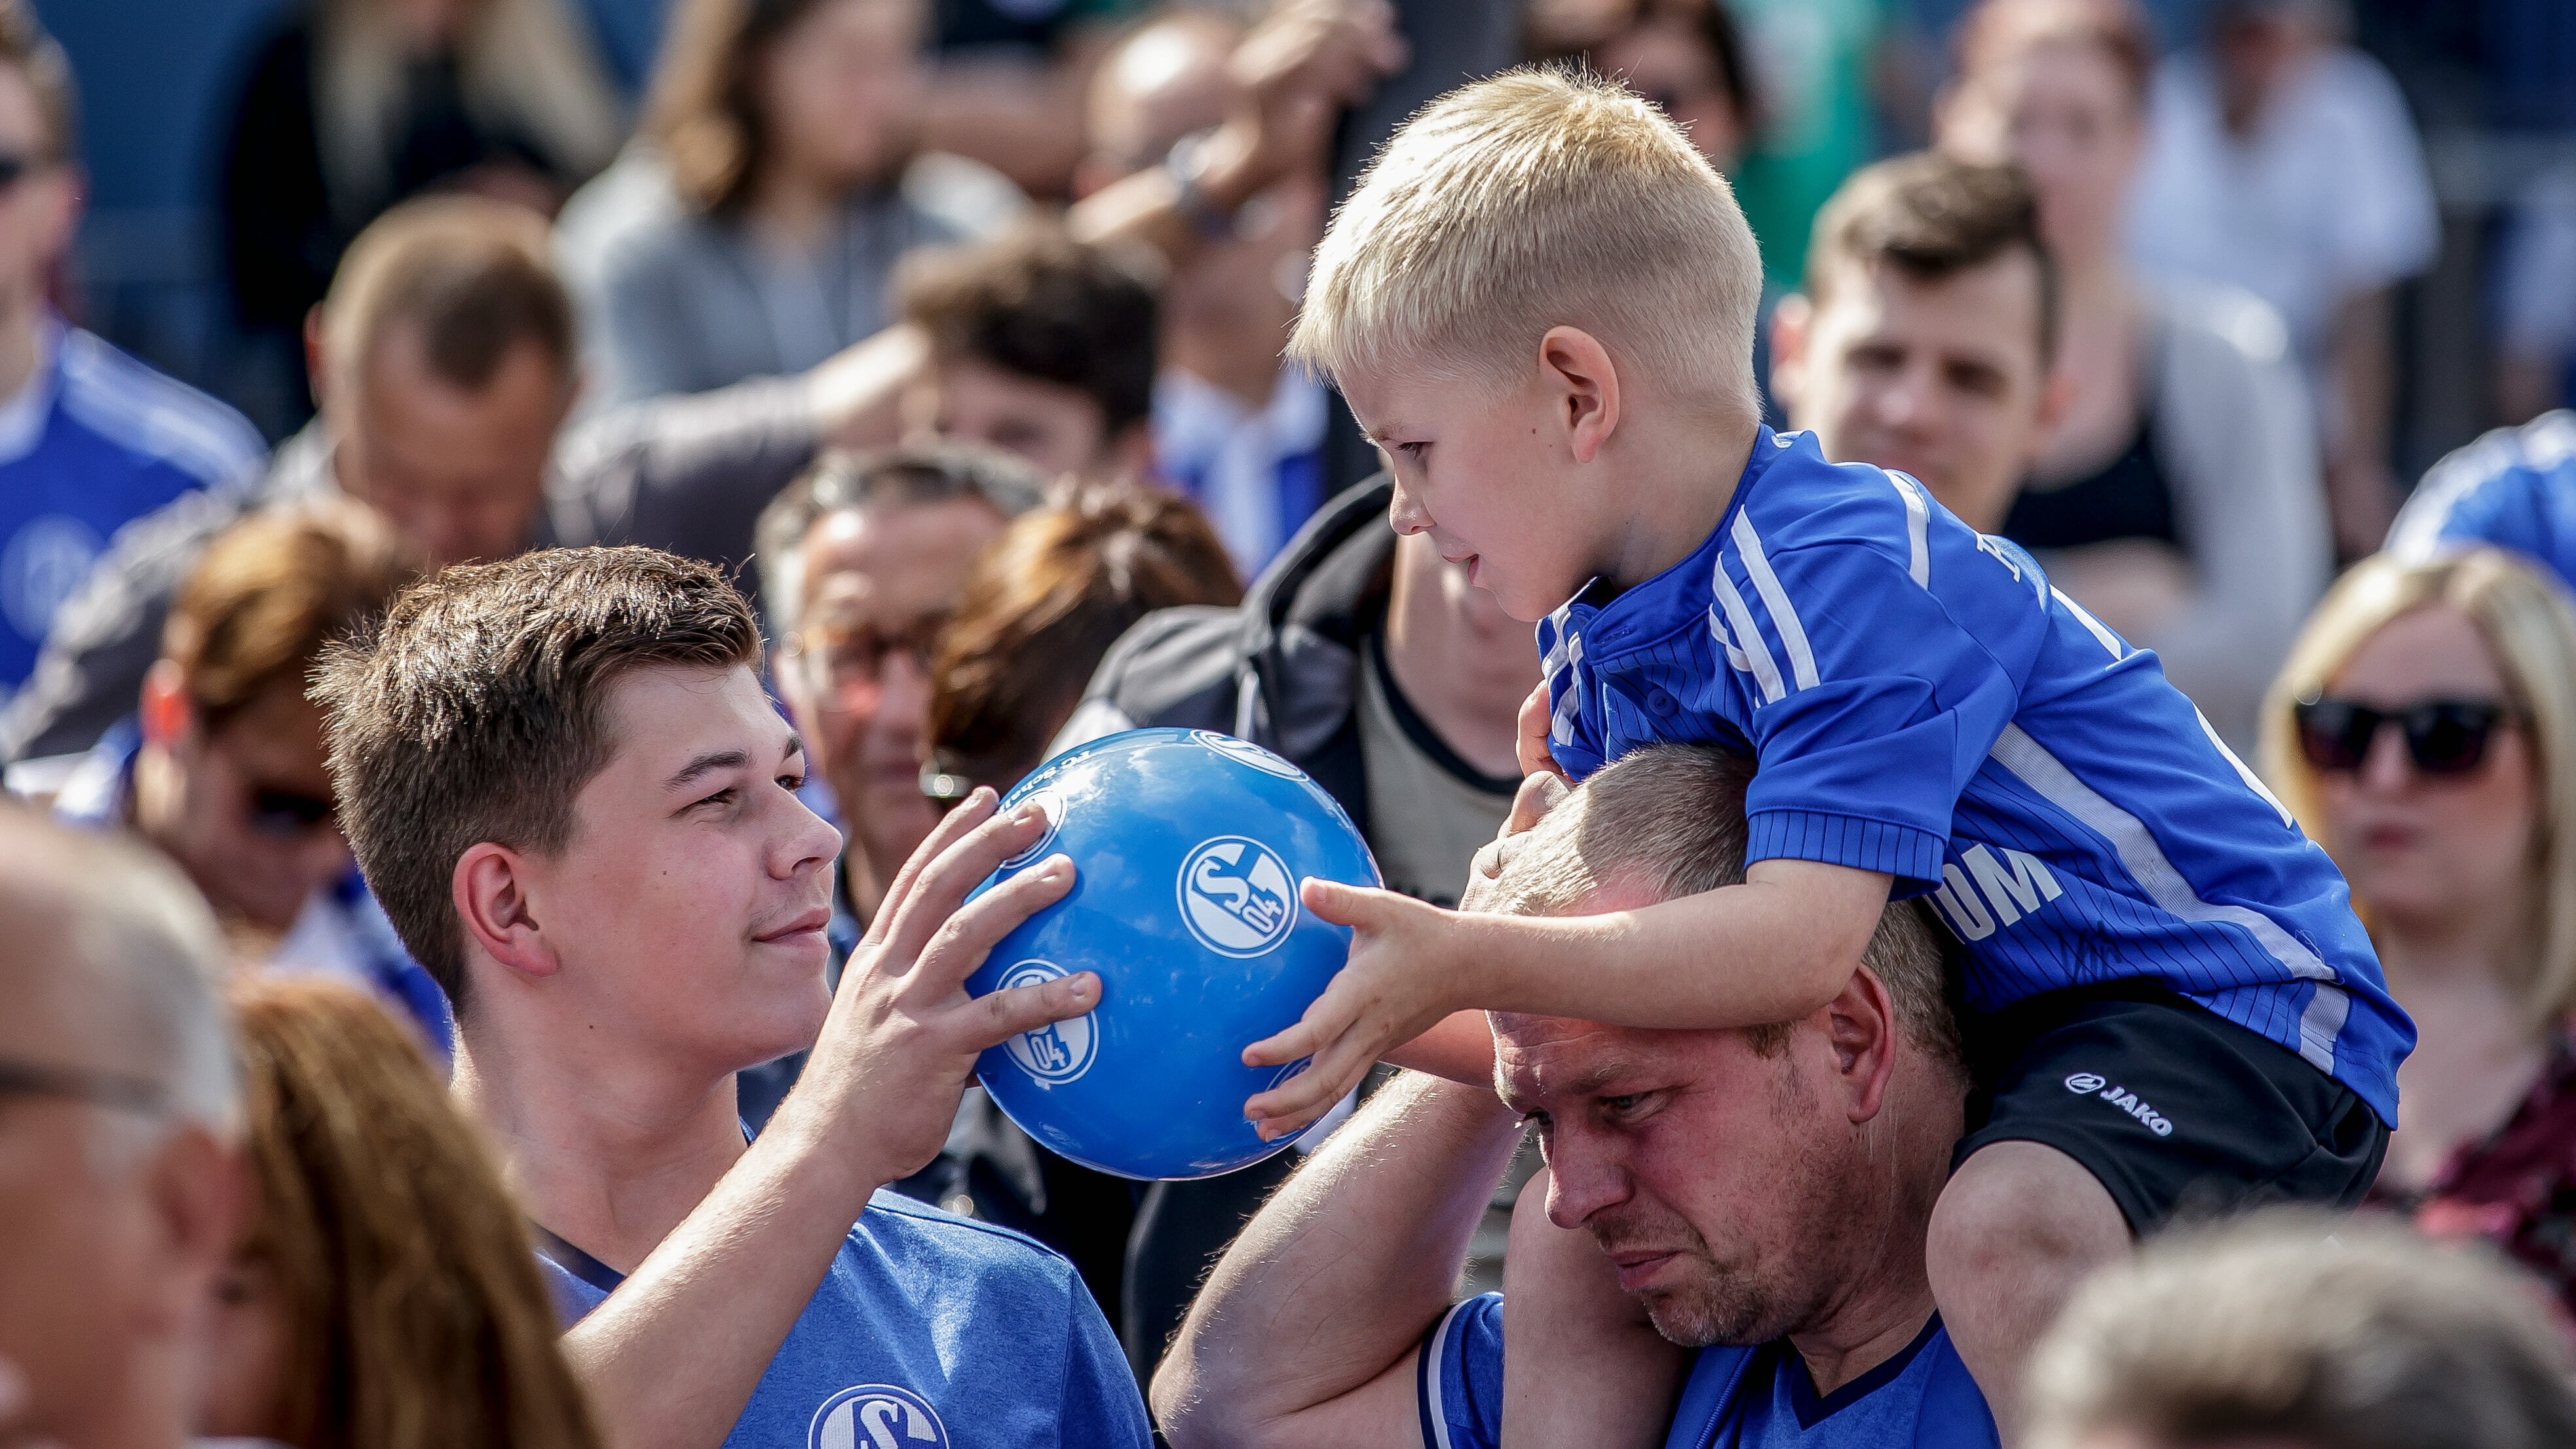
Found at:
(1405, 512)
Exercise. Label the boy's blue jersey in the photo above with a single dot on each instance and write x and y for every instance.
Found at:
(2514, 488)
(1735, 1398)
(1920, 701)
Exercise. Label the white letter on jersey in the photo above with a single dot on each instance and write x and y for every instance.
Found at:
(2026, 885)
(1958, 901)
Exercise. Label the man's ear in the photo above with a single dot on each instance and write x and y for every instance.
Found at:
(1860, 1024)
(490, 890)
(2056, 399)
(1583, 385)
(201, 1200)
(165, 712)
(1791, 316)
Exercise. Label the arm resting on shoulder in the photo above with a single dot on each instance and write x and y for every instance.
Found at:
(1305, 1333)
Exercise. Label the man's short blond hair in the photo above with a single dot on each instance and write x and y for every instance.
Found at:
(1543, 197)
(1669, 819)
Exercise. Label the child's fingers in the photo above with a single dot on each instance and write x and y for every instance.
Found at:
(1293, 1105)
(1534, 755)
(1301, 1040)
(1345, 905)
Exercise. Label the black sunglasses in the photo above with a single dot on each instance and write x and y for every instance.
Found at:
(286, 814)
(2443, 736)
(81, 1084)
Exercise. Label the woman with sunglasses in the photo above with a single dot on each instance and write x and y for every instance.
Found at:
(2424, 731)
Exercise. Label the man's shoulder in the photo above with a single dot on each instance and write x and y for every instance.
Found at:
(156, 420)
(970, 1254)
(1172, 667)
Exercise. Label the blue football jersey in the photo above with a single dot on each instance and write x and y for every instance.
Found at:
(95, 441)
(1735, 1398)
(930, 1331)
(1918, 700)
(2514, 487)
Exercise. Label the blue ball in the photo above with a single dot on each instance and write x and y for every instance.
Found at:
(1187, 848)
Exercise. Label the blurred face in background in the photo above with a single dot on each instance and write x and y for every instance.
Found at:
(1060, 430)
(459, 471)
(2423, 850)
(1166, 83)
(841, 92)
(1939, 377)
(40, 202)
(244, 808)
(2068, 115)
(1667, 60)
(879, 583)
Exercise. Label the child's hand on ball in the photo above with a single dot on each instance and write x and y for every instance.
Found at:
(1399, 983)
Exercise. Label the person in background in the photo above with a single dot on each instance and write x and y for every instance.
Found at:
(1010, 84)
(1379, 670)
(221, 767)
(1816, 66)
(783, 129)
(2513, 487)
(2424, 731)
(1925, 334)
(862, 561)
(121, 1180)
(350, 106)
(2535, 295)
(2295, 1331)
(2178, 498)
(386, 1293)
(1039, 345)
(2283, 162)
(90, 439)
(1043, 606)
(444, 362)
(1233, 428)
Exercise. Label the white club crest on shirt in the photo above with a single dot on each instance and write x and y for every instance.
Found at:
(877, 1416)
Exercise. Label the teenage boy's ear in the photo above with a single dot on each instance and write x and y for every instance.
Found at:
(1582, 386)
(490, 891)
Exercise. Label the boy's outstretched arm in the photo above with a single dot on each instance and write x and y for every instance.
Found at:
(1772, 949)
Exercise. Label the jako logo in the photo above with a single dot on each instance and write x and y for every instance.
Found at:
(2089, 1084)
(876, 1416)
(1059, 1051)
(1999, 896)
(1237, 896)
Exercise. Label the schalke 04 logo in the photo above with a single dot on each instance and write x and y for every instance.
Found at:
(877, 1416)
(1237, 896)
(1246, 752)
(1059, 1051)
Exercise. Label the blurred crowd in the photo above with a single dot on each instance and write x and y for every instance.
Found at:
(952, 334)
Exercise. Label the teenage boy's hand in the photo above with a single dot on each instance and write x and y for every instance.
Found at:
(1401, 981)
(903, 1036)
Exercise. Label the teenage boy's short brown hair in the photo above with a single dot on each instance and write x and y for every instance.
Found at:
(1932, 217)
(477, 711)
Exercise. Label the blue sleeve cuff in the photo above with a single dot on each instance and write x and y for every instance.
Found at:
(1912, 856)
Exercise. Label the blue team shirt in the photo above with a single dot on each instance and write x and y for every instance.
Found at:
(1735, 1398)
(2514, 487)
(1920, 701)
(931, 1331)
(95, 441)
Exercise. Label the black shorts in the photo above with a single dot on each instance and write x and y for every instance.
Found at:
(2173, 1108)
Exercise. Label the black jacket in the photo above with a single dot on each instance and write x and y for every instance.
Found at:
(1281, 670)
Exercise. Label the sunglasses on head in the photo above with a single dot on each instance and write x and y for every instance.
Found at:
(2443, 736)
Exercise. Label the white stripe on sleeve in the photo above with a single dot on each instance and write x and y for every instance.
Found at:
(1784, 617)
(1918, 523)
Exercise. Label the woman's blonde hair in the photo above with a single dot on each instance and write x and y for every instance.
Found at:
(412, 1311)
(2525, 618)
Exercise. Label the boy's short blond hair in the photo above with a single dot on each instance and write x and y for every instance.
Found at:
(1543, 197)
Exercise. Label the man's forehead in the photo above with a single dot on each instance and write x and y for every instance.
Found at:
(886, 550)
(1550, 1056)
(1990, 309)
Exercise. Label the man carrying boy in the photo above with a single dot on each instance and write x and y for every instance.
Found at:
(579, 809)
(2172, 998)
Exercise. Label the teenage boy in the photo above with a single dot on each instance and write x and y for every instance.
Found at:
(1560, 373)
(580, 811)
